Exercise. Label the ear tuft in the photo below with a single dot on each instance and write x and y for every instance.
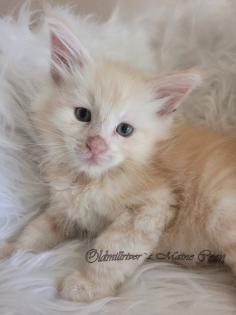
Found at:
(66, 49)
(173, 89)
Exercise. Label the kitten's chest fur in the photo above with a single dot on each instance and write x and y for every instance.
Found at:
(92, 206)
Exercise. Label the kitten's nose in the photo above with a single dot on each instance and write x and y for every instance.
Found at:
(96, 145)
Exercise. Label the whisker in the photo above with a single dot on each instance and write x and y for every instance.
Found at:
(39, 144)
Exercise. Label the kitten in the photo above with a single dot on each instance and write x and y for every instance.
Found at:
(123, 171)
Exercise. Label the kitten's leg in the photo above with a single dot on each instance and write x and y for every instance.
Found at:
(6, 249)
(42, 233)
(131, 234)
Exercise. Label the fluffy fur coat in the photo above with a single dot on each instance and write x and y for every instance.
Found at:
(204, 41)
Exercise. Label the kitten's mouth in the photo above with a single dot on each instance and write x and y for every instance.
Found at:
(93, 160)
(96, 160)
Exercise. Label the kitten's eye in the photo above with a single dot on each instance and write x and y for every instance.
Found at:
(124, 129)
(83, 114)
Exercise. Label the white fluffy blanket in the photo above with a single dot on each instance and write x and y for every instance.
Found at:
(178, 35)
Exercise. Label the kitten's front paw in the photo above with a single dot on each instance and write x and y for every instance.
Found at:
(6, 249)
(78, 288)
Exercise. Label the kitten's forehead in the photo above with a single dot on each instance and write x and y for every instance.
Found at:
(114, 88)
(113, 92)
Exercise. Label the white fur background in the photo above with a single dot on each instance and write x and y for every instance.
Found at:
(179, 34)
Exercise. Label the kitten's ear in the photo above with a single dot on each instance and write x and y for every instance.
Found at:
(66, 49)
(173, 89)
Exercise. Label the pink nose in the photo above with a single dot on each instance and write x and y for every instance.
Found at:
(96, 145)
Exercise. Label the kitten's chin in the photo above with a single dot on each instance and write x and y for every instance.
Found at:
(94, 170)
(96, 167)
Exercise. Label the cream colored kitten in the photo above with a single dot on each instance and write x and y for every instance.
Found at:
(123, 172)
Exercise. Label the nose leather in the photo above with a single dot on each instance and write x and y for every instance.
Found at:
(97, 145)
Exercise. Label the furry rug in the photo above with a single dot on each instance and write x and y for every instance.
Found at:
(178, 35)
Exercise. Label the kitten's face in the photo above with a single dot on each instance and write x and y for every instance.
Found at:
(106, 116)
(100, 114)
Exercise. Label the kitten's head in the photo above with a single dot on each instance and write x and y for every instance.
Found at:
(101, 114)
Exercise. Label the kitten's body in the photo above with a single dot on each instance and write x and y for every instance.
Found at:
(198, 167)
(121, 170)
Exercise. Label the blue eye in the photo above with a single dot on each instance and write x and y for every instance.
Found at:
(83, 114)
(124, 129)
